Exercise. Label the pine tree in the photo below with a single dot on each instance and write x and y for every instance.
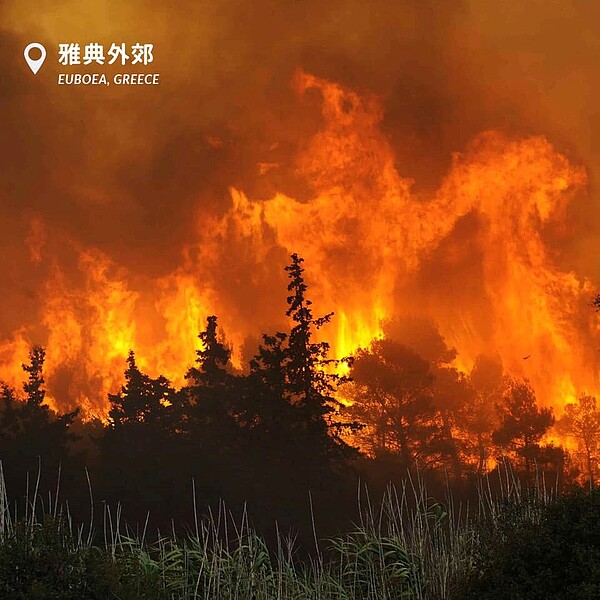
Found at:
(141, 400)
(392, 395)
(266, 404)
(312, 378)
(140, 450)
(523, 424)
(211, 412)
(212, 394)
(582, 421)
(34, 386)
(30, 432)
(212, 359)
(52, 428)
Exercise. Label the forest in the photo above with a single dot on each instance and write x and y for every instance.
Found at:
(286, 443)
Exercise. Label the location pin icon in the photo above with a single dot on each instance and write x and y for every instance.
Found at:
(35, 64)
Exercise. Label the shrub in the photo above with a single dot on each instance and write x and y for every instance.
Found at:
(43, 559)
(531, 551)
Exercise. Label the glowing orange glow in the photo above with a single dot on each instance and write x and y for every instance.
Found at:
(368, 242)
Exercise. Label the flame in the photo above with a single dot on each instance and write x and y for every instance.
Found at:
(91, 327)
(13, 353)
(475, 256)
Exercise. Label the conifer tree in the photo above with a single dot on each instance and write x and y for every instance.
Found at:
(34, 386)
(266, 401)
(141, 400)
(212, 359)
(312, 378)
(140, 450)
(30, 432)
(522, 424)
(211, 413)
(212, 391)
(582, 421)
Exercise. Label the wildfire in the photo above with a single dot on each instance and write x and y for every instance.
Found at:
(476, 257)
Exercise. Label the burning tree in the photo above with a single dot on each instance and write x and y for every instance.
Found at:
(312, 377)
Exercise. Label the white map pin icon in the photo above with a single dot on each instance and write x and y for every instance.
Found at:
(35, 64)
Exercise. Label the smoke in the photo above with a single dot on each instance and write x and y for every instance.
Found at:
(100, 162)
(142, 175)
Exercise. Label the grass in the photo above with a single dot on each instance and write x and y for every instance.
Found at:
(407, 547)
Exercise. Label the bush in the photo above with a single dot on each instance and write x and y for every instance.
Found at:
(531, 551)
(45, 560)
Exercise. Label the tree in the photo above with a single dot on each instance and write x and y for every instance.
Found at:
(289, 416)
(452, 397)
(267, 406)
(480, 418)
(213, 398)
(582, 421)
(44, 432)
(522, 424)
(212, 405)
(451, 391)
(142, 400)
(392, 395)
(140, 450)
(212, 359)
(34, 386)
(30, 432)
(312, 379)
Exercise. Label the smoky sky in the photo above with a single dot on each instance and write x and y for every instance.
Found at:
(132, 170)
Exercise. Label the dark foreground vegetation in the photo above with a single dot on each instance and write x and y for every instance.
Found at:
(516, 546)
(277, 445)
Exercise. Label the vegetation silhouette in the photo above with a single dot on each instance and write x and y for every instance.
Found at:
(292, 426)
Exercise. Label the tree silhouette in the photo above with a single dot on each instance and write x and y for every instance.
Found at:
(522, 424)
(289, 416)
(480, 418)
(268, 365)
(211, 359)
(49, 432)
(451, 392)
(34, 386)
(312, 379)
(30, 432)
(140, 454)
(452, 396)
(142, 400)
(582, 421)
(268, 407)
(212, 392)
(212, 403)
(392, 395)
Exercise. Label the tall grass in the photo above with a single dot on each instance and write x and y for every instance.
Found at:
(407, 547)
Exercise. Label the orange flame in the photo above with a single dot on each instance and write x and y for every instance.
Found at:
(476, 257)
